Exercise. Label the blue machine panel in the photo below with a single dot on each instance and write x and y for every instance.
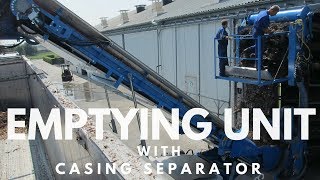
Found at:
(286, 16)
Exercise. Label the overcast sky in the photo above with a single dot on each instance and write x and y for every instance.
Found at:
(92, 10)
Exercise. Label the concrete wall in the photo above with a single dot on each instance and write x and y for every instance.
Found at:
(23, 85)
(14, 85)
(68, 152)
(84, 148)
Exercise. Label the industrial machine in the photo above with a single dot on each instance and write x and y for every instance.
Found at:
(30, 20)
(299, 34)
(299, 83)
(66, 73)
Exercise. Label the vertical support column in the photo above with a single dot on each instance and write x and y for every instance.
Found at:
(259, 57)
(233, 86)
(280, 95)
(176, 53)
(143, 142)
(292, 54)
(123, 41)
(215, 57)
(199, 60)
(113, 123)
(159, 65)
(237, 51)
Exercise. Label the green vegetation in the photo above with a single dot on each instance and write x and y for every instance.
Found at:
(48, 57)
(53, 59)
(42, 55)
(33, 53)
(26, 49)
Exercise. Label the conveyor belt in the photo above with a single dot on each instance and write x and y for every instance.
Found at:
(168, 92)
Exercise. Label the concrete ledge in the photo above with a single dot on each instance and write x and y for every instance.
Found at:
(85, 149)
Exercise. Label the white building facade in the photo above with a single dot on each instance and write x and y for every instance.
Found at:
(179, 43)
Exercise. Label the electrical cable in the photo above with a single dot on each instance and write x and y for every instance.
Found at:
(284, 57)
(12, 46)
(309, 53)
(304, 43)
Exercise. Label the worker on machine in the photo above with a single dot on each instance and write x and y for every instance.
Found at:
(261, 26)
(223, 37)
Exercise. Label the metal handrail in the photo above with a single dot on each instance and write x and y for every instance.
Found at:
(258, 59)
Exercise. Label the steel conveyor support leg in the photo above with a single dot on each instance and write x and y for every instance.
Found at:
(143, 142)
(113, 122)
(233, 171)
(303, 95)
(259, 56)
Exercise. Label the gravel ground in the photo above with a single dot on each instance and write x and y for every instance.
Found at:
(3, 125)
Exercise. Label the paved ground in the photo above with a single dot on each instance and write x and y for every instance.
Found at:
(23, 160)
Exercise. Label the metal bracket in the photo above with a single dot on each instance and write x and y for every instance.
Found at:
(113, 122)
(143, 142)
(119, 81)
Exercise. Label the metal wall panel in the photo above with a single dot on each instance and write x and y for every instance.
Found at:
(144, 46)
(168, 59)
(117, 39)
(214, 92)
(188, 60)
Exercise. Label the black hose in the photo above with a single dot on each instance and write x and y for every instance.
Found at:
(26, 31)
(12, 46)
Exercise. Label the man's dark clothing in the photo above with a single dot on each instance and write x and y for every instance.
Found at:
(222, 49)
(261, 23)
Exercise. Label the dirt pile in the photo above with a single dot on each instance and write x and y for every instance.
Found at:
(274, 50)
(274, 54)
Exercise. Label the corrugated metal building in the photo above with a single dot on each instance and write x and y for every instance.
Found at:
(176, 40)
